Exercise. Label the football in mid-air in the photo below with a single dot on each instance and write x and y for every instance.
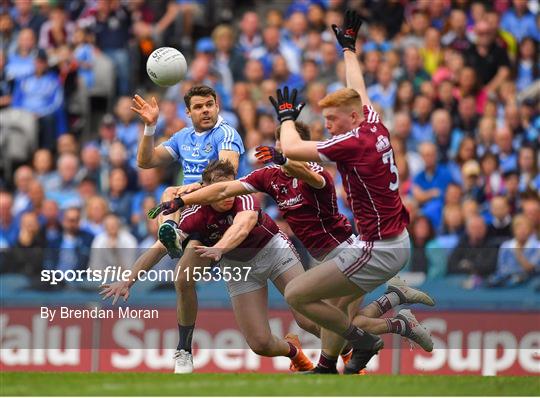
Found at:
(166, 66)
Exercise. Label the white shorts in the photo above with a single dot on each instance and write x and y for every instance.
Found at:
(270, 262)
(371, 264)
(343, 246)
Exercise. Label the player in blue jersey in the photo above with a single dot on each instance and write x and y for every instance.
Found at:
(210, 138)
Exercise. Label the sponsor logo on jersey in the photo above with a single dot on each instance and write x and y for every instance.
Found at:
(291, 202)
(382, 143)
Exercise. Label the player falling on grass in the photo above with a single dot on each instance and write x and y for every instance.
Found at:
(236, 233)
(365, 160)
(306, 198)
(195, 147)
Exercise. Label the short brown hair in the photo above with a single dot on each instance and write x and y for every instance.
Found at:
(200, 91)
(302, 128)
(217, 169)
(342, 97)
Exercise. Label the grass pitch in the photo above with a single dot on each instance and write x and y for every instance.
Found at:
(118, 384)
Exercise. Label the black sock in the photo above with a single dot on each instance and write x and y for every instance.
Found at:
(348, 347)
(171, 222)
(185, 336)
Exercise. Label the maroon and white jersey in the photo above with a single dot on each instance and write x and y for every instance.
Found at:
(208, 225)
(311, 213)
(365, 160)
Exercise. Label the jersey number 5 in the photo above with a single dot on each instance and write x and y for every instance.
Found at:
(388, 158)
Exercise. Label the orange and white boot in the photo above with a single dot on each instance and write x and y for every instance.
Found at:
(300, 362)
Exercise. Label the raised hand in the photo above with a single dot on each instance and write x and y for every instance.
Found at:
(269, 154)
(285, 106)
(149, 112)
(346, 35)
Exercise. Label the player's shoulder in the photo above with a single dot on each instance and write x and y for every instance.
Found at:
(370, 114)
(224, 128)
(191, 211)
(265, 171)
(246, 202)
(348, 137)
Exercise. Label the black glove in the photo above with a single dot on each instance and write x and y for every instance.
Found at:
(285, 107)
(268, 154)
(166, 208)
(346, 36)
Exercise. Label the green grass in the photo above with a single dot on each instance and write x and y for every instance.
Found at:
(30, 383)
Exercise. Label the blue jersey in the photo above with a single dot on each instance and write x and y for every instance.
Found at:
(195, 150)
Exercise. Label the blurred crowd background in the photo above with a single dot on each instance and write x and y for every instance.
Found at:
(456, 82)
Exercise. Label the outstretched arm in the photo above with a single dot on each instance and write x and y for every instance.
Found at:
(269, 154)
(302, 171)
(346, 37)
(215, 193)
(353, 74)
(149, 156)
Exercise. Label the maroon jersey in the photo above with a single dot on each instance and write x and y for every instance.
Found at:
(365, 160)
(311, 213)
(208, 225)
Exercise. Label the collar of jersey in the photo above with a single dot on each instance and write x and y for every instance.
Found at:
(219, 121)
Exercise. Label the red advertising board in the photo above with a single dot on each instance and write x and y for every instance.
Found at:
(466, 342)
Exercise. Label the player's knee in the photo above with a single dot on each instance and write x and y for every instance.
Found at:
(184, 283)
(293, 295)
(260, 344)
(168, 194)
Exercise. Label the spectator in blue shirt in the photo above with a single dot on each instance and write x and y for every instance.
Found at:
(63, 189)
(112, 29)
(84, 54)
(273, 46)
(150, 185)
(20, 63)
(519, 258)
(71, 249)
(384, 92)
(430, 185)
(42, 94)
(421, 127)
(519, 21)
(127, 128)
(506, 153)
(282, 75)
(8, 225)
(119, 198)
(526, 67)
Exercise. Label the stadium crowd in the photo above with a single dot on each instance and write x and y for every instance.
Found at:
(457, 83)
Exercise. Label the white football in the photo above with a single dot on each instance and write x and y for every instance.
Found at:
(166, 66)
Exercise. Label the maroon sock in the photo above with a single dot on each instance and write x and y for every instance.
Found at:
(326, 361)
(397, 326)
(387, 301)
(292, 350)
